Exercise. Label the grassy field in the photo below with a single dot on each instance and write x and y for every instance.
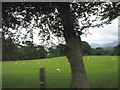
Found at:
(102, 72)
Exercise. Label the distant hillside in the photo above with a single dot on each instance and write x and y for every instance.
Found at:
(113, 44)
(95, 45)
(107, 46)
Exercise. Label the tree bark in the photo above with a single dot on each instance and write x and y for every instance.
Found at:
(75, 57)
(74, 48)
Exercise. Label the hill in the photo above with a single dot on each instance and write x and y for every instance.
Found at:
(106, 46)
(110, 45)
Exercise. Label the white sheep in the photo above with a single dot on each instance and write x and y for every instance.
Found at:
(23, 63)
(38, 62)
(58, 70)
(88, 58)
(16, 63)
(113, 59)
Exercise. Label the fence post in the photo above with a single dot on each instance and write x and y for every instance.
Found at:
(42, 78)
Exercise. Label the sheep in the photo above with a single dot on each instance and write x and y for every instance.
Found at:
(58, 70)
(88, 58)
(23, 63)
(38, 62)
(16, 63)
(113, 59)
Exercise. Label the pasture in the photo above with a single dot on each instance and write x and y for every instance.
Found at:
(102, 72)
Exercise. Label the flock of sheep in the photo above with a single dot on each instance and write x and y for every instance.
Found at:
(58, 70)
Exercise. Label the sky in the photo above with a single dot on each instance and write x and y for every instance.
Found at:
(103, 35)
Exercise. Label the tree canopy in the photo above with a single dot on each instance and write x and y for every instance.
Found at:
(12, 51)
(44, 18)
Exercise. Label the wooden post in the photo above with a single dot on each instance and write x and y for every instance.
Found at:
(42, 78)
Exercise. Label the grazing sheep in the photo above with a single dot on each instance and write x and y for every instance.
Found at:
(58, 70)
(88, 58)
(16, 63)
(23, 63)
(38, 62)
(113, 59)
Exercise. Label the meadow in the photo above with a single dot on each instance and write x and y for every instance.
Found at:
(102, 72)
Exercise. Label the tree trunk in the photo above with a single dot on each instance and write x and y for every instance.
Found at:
(74, 55)
(74, 48)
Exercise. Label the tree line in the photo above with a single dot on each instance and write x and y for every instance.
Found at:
(13, 51)
(101, 51)
(87, 50)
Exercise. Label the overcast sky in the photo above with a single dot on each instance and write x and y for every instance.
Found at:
(103, 35)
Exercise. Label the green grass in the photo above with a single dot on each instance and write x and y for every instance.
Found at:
(102, 72)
